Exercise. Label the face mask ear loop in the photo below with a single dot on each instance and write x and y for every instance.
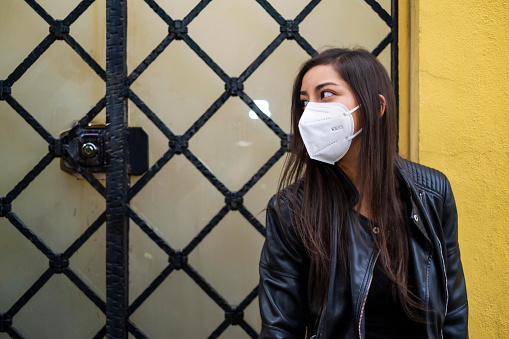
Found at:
(353, 109)
(356, 134)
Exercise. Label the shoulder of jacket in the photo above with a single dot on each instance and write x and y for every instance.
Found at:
(425, 178)
(281, 209)
(285, 196)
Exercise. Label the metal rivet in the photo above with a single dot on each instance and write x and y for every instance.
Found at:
(89, 150)
(416, 218)
(376, 230)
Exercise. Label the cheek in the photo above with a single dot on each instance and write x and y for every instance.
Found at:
(357, 120)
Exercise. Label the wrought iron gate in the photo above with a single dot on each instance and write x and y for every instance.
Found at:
(118, 192)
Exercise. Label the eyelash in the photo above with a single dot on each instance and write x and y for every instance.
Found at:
(305, 102)
(322, 94)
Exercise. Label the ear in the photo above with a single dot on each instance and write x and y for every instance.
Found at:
(382, 104)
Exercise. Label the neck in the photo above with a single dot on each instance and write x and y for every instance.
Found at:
(350, 165)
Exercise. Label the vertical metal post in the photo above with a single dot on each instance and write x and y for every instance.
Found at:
(395, 58)
(117, 181)
(395, 50)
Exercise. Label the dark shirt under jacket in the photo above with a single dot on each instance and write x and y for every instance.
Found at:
(385, 317)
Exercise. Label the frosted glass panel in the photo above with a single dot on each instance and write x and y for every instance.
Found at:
(252, 315)
(65, 207)
(90, 31)
(145, 30)
(179, 201)
(60, 310)
(179, 87)
(158, 143)
(233, 33)
(273, 81)
(178, 9)
(289, 9)
(233, 145)
(346, 23)
(257, 198)
(178, 309)
(18, 141)
(234, 332)
(59, 88)
(89, 262)
(228, 257)
(58, 9)
(21, 264)
(20, 36)
(146, 261)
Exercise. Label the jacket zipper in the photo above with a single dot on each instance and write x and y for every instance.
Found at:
(320, 324)
(446, 291)
(443, 264)
(366, 296)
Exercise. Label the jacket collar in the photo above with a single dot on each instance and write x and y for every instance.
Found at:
(406, 185)
(419, 216)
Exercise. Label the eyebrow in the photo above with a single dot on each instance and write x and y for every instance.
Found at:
(320, 86)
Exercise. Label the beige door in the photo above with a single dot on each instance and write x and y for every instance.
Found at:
(210, 85)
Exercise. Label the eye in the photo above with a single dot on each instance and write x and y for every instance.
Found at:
(326, 94)
(304, 103)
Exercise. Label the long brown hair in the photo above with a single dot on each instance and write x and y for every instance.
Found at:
(318, 191)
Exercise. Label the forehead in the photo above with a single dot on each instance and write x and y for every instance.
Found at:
(320, 74)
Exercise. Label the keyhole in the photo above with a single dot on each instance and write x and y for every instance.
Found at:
(89, 150)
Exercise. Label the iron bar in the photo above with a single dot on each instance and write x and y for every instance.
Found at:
(149, 59)
(25, 298)
(39, 10)
(304, 13)
(29, 234)
(383, 44)
(85, 236)
(272, 11)
(85, 289)
(206, 116)
(77, 11)
(195, 11)
(29, 119)
(149, 231)
(30, 59)
(395, 54)
(85, 56)
(382, 13)
(150, 289)
(117, 180)
(29, 177)
(151, 115)
(150, 174)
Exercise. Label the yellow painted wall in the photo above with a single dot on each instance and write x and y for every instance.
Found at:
(460, 85)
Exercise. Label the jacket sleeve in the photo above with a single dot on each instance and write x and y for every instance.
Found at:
(456, 320)
(283, 279)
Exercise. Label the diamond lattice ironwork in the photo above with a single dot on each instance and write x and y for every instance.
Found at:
(60, 30)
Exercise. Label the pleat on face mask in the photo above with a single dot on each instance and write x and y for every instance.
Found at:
(327, 130)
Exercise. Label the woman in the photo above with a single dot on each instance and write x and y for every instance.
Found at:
(360, 242)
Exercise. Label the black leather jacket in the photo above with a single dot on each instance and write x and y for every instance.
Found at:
(285, 291)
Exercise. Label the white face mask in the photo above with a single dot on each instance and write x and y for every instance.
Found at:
(327, 130)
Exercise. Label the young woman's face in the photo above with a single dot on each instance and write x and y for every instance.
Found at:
(323, 84)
